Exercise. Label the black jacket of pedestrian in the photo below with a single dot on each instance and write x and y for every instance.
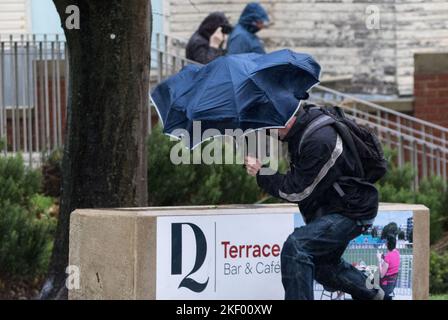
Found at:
(324, 159)
(198, 47)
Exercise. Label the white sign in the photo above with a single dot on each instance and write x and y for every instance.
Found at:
(221, 257)
(237, 257)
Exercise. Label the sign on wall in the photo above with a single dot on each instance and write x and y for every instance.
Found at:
(238, 256)
(221, 257)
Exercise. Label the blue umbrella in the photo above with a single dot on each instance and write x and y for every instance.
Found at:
(245, 91)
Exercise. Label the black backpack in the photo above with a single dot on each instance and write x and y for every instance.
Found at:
(361, 141)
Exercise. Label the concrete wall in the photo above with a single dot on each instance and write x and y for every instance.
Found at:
(335, 32)
(130, 253)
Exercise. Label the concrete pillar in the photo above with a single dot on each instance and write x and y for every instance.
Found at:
(228, 252)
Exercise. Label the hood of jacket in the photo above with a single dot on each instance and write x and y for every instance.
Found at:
(251, 14)
(211, 23)
(304, 117)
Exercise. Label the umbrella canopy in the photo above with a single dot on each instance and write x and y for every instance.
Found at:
(246, 91)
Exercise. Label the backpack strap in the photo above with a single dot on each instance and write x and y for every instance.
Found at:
(343, 131)
(347, 137)
(316, 124)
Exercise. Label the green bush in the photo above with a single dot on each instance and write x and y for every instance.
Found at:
(2, 144)
(52, 173)
(26, 226)
(438, 275)
(396, 187)
(194, 184)
(172, 185)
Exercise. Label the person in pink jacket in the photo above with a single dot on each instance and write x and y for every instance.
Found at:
(389, 266)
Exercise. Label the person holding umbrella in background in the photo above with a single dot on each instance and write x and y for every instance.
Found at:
(243, 38)
(209, 41)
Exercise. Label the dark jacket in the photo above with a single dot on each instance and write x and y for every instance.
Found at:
(198, 47)
(243, 39)
(324, 159)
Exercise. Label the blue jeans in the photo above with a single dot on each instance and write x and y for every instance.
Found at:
(315, 251)
(389, 289)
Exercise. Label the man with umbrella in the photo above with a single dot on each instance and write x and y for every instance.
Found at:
(259, 91)
(315, 250)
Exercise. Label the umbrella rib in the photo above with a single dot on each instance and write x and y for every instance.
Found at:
(234, 93)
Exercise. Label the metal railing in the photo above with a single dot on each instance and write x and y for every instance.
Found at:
(422, 143)
(419, 142)
(33, 91)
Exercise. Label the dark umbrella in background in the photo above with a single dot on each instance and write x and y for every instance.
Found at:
(246, 91)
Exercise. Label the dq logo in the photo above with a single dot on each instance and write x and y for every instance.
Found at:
(176, 255)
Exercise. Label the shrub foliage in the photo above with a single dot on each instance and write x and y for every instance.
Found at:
(26, 225)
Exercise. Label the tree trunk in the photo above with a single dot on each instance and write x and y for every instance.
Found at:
(104, 162)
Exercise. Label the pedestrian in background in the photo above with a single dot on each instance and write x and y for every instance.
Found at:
(243, 39)
(209, 41)
(389, 267)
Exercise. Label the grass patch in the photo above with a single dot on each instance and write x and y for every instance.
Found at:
(438, 297)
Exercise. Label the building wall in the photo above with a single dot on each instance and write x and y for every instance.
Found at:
(29, 16)
(41, 17)
(335, 32)
(422, 27)
(14, 16)
(158, 17)
(431, 87)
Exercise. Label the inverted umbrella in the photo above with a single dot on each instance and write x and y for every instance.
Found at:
(246, 91)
